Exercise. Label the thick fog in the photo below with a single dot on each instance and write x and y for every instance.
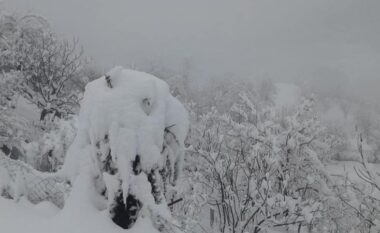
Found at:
(257, 116)
(283, 40)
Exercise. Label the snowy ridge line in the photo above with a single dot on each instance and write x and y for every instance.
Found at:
(20, 179)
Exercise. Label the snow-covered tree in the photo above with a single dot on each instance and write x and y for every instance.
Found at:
(45, 63)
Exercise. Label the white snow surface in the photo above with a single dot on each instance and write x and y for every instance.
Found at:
(78, 216)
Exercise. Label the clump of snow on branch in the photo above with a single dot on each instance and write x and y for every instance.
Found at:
(134, 113)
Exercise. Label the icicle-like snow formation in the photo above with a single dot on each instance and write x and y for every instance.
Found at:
(129, 123)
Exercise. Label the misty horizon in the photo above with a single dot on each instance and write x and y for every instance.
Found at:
(282, 40)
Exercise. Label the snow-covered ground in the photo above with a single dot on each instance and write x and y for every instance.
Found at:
(77, 217)
(80, 216)
(347, 168)
(26, 110)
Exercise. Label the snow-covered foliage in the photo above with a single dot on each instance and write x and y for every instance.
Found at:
(258, 172)
(132, 132)
(45, 64)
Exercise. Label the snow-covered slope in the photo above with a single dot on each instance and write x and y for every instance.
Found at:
(26, 110)
(79, 216)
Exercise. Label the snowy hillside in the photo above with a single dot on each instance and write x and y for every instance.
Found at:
(45, 217)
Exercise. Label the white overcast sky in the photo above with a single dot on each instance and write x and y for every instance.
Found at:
(276, 38)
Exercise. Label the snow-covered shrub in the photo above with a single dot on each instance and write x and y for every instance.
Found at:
(258, 172)
(131, 133)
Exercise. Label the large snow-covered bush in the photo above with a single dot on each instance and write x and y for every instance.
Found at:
(131, 132)
(259, 170)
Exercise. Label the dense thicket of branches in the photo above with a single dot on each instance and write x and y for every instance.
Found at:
(251, 167)
(44, 64)
(46, 71)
